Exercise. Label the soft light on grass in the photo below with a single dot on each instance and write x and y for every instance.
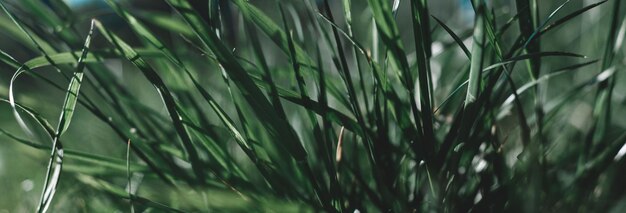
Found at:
(316, 106)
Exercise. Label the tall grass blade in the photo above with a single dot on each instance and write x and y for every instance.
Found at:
(279, 129)
(130, 54)
(473, 85)
(56, 156)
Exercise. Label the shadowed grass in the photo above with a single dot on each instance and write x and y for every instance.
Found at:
(316, 106)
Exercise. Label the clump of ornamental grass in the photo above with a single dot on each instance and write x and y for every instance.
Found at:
(307, 106)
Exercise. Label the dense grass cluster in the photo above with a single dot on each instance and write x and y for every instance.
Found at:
(307, 106)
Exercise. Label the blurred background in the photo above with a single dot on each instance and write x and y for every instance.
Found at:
(22, 168)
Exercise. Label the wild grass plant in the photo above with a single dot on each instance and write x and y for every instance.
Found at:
(313, 106)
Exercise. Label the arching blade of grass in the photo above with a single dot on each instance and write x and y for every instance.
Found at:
(69, 104)
(94, 56)
(279, 129)
(9, 60)
(531, 56)
(553, 25)
(531, 39)
(130, 54)
(56, 155)
(61, 58)
(543, 78)
(112, 91)
(568, 17)
(145, 34)
(456, 38)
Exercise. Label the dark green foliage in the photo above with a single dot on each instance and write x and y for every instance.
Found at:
(309, 106)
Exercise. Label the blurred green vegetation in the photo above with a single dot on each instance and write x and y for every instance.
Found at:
(240, 106)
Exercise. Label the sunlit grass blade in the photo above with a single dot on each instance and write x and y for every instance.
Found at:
(544, 78)
(531, 56)
(91, 57)
(473, 85)
(56, 155)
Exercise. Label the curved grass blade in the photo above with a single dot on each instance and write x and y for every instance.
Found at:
(279, 129)
(569, 17)
(456, 38)
(145, 33)
(7, 59)
(245, 145)
(91, 57)
(544, 78)
(130, 54)
(531, 56)
(56, 156)
(70, 57)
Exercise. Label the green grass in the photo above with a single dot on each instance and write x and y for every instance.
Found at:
(312, 106)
